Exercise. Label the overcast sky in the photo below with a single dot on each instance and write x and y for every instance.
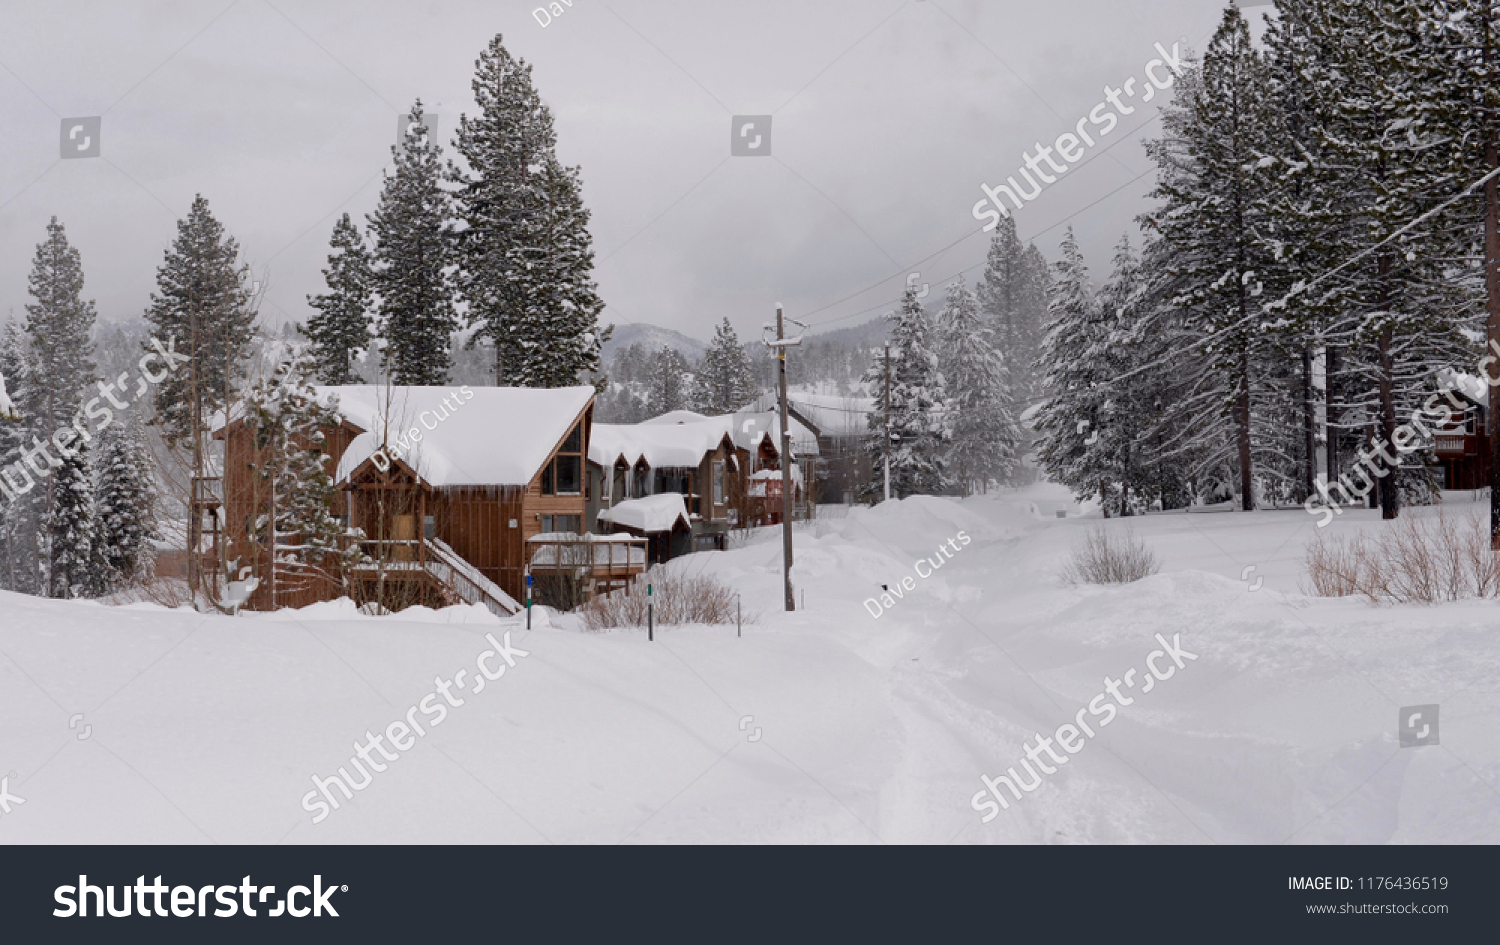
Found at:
(887, 115)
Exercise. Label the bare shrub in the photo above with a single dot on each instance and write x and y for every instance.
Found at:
(1110, 556)
(1411, 560)
(677, 598)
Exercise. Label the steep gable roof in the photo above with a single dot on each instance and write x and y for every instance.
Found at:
(469, 436)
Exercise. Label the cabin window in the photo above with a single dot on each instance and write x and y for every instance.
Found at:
(564, 474)
(429, 526)
(569, 475)
(562, 523)
(718, 483)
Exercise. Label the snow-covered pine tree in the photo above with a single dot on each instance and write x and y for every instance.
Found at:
(294, 488)
(1012, 299)
(554, 330)
(341, 328)
(1216, 186)
(1071, 419)
(669, 382)
(126, 520)
(980, 429)
(523, 247)
(917, 444)
(201, 309)
(20, 513)
(410, 274)
(723, 384)
(69, 529)
(59, 323)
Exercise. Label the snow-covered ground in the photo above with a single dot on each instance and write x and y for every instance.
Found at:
(826, 725)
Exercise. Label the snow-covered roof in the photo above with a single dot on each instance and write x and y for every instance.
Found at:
(679, 444)
(1468, 385)
(472, 436)
(654, 513)
(677, 416)
(753, 426)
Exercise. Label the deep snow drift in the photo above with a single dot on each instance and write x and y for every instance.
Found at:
(826, 725)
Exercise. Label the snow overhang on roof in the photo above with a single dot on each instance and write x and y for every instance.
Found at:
(654, 513)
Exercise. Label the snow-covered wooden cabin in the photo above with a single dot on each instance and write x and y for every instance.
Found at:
(682, 480)
(446, 483)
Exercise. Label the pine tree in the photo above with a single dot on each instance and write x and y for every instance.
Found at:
(669, 382)
(980, 428)
(287, 423)
(724, 384)
(1012, 299)
(70, 530)
(916, 446)
(523, 250)
(411, 260)
(341, 328)
(201, 310)
(20, 525)
(1217, 188)
(126, 504)
(554, 333)
(59, 323)
(1072, 418)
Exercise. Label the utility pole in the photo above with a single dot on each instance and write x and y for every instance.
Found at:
(887, 423)
(781, 344)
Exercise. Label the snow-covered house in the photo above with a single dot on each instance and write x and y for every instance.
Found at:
(683, 455)
(707, 462)
(446, 483)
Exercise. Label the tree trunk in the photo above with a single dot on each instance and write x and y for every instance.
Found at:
(1309, 439)
(1389, 495)
(1242, 421)
(1330, 430)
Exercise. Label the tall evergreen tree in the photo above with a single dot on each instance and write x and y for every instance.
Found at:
(523, 248)
(1072, 418)
(20, 515)
(669, 382)
(294, 485)
(59, 323)
(724, 384)
(980, 429)
(126, 506)
(1012, 298)
(341, 329)
(1216, 191)
(917, 435)
(70, 530)
(201, 310)
(411, 263)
